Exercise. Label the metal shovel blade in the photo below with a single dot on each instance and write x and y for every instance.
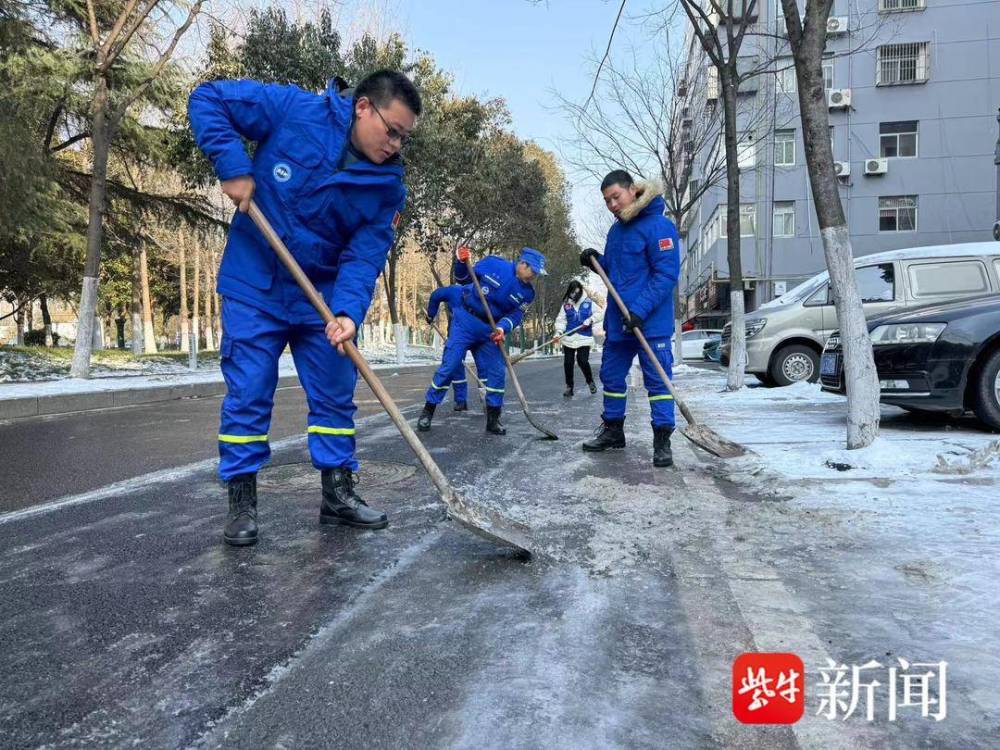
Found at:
(712, 442)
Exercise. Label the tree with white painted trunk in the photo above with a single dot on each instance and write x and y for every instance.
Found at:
(807, 39)
(116, 29)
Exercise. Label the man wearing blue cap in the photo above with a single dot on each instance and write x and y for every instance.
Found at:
(508, 290)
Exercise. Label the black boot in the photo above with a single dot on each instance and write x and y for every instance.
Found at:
(241, 529)
(568, 393)
(610, 435)
(342, 505)
(592, 387)
(461, 406)
(493, 424)
(662, 455)
(424, 420)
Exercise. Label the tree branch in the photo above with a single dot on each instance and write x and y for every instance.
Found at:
(69, 142)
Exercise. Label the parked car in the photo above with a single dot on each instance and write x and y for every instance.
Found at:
(693, 342)
(711, 351)
(786, 336)
(935, 358)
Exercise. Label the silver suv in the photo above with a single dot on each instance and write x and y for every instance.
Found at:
(785, 337)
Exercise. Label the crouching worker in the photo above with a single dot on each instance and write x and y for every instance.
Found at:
(641, 261)
(508, 290)
(327, 174)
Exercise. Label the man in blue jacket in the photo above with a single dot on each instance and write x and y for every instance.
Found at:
(327, 174)
(508, 290)
(641, 259)
(452, 296)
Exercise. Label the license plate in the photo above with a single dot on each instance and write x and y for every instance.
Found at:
(828, 364)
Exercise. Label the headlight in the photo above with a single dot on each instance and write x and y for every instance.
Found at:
(753, 327)
(907, 333)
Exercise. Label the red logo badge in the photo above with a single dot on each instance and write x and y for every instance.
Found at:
(768, 688)
(666, 244)
(395, 221)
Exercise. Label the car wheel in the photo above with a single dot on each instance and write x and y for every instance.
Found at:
(986, 403)
(794, 364)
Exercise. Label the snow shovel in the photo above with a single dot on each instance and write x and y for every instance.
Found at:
(506, 357)
(698, 434)
(479, 520)
(523, 355)
(468, 367)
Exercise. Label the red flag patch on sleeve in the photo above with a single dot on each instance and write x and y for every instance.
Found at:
(666, 244)
(395, 221)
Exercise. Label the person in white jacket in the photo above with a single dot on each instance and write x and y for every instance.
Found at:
(580, 310)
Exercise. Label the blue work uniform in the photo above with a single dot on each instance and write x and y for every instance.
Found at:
(641, 259)
(577, 316)
(452, 295)
(470, 330)
(336, 211)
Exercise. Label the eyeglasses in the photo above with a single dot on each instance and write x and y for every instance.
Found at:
(394, 135)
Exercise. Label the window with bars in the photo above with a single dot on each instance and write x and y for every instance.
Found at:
(902, 63)
(898, 140)
(897, 213)
(784, 148)
(900, 5)
(784, 219)
(712, 87)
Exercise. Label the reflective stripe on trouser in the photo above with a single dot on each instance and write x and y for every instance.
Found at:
(615, 363)
(252, 342)
(469, 334)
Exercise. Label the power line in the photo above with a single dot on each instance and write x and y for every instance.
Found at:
(597, 75)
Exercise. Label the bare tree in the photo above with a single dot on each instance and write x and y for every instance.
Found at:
(148, 334)
(807, 39)
(182, 268)
(115, 30)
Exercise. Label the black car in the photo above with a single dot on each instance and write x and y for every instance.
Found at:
(936, 358)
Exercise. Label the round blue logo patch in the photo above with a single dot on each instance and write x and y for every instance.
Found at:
(282, 172)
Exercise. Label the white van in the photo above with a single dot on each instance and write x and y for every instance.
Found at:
(785, 337)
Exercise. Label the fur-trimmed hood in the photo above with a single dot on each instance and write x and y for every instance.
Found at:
(646, 192)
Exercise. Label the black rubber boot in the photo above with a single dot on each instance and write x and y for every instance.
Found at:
(461, 406)
(493, 424)
(568, 393)
(662, 455)
(592, 387)
(341, 503)
(241, 528)
(611, 435)
(424, 420)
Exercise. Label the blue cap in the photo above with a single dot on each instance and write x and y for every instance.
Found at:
(534, 259)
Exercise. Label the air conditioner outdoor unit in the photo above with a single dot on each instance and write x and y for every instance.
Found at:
(842, 168)
(836, 25)
(876, 166)
(838, 98)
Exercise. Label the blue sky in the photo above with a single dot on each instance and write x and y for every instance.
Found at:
(520, 51)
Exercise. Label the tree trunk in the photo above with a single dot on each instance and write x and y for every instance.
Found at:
(389, 278)
(860, 376)
(209, 321)
(738, 342)
(29, 317)
(120, 330)
(46, 319)
(182, 267)
(196, 276)
(135, 306)
(148, 334)
(19, 326)
(100, 139)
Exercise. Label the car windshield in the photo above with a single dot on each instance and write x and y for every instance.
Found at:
(797, 293)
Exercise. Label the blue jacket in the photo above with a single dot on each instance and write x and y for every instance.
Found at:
(337, 222)
(450, 294)
(642, 260)
(575, 316)
(508, 296)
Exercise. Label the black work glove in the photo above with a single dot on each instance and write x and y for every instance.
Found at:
(632, 322)
(585, 257)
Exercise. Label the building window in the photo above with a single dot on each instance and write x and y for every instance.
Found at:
(828, 75)
(832, 149)
(786, 75)
(892, 6)
(902, 63)
(748, 220)
(897, 213)
(784, 219)
(746, 153)
(784, 148)
(716, 227)
(898, 139)
(712, 87)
